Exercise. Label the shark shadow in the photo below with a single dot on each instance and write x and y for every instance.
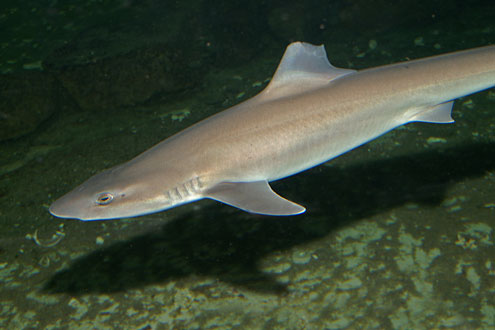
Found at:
(226, 244)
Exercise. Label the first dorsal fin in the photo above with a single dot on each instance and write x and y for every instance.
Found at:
(303, 67)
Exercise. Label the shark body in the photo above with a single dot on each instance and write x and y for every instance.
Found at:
(309, 113)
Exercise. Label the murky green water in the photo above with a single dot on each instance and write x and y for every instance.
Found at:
(399, 234)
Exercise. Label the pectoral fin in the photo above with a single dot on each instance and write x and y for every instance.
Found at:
(255, 197)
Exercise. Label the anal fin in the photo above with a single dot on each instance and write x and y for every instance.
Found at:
(255, 197)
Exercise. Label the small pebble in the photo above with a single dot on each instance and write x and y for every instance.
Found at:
(44, 261)
(468, 104)
(455, 208)
(372, 44)
(301, 257)
(433, 139)
(419, 41)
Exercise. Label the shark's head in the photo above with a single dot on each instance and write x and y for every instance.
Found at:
(113, 193)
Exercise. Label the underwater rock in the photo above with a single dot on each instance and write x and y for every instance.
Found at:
(26, 100)
(402, 12)
(126, 79)
(287, 22)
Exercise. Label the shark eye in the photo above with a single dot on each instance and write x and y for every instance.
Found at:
(104, 198)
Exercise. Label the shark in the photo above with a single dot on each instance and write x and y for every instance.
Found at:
(309, 113)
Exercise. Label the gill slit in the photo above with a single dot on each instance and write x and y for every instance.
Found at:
(184, 190)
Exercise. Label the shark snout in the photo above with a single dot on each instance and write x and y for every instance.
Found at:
(68, 207)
